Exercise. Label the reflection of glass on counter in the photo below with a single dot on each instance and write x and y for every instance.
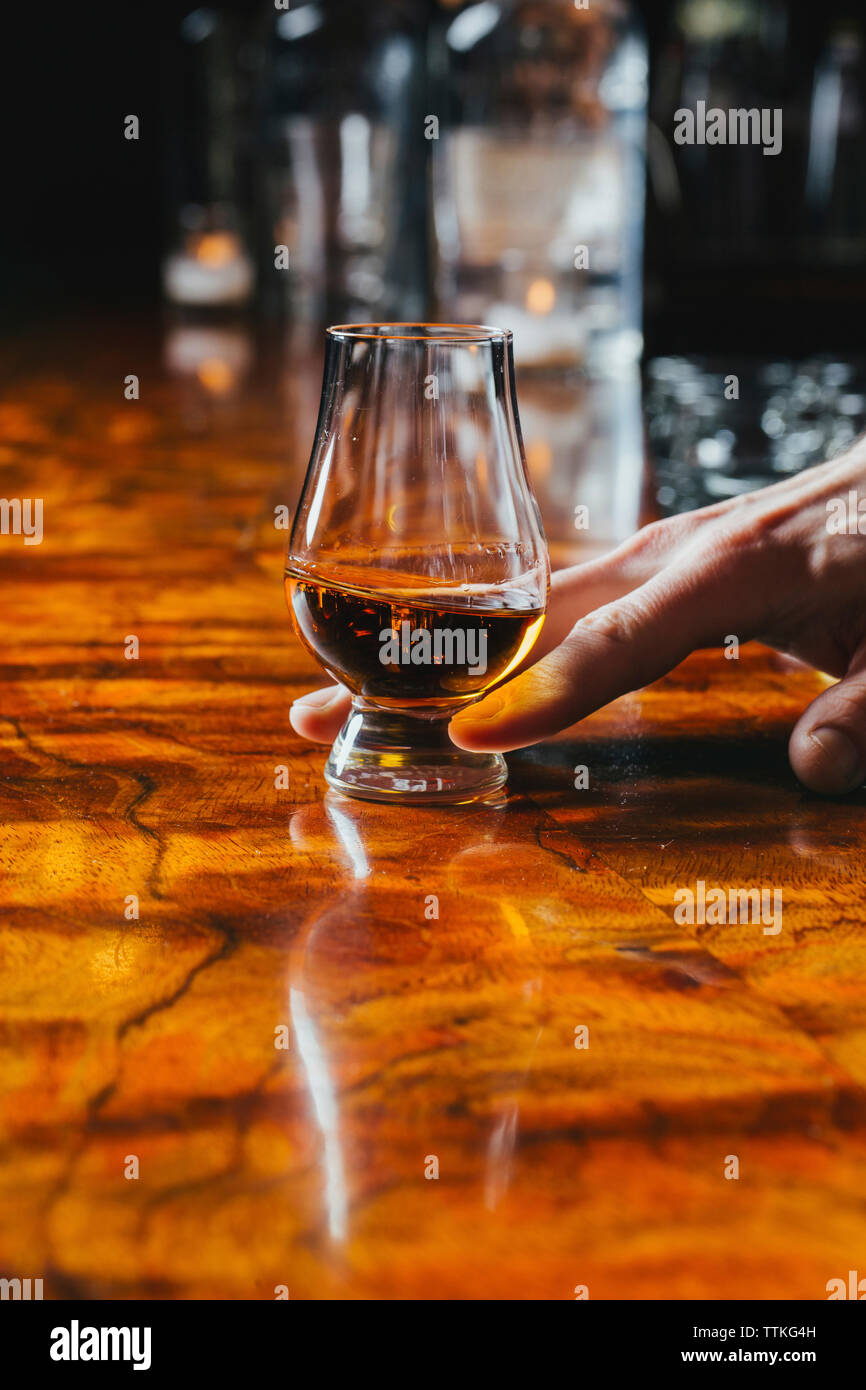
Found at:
(217, 356)
(538, 177)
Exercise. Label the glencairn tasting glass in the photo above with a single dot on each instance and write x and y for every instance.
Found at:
(417, 571)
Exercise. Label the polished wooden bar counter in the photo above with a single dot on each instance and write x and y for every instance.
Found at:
(286, 1073)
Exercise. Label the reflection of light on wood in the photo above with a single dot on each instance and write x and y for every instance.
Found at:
(481, 469)
(216, 248)
(513, 917)
(539, 457)
(187, 348)
(215, 375)
(540, 297)
(320, 1084)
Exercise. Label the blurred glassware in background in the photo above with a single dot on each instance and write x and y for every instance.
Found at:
(342, 160)
(790, 415)
(317, 126)
(728, 202)
(731, 208)
(835, 188)
(538, 173)
(584, 441)
(208, 263)
(211, 266)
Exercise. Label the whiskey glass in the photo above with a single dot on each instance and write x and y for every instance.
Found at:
(417, 571)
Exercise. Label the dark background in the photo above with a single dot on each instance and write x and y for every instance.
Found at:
(83, 216)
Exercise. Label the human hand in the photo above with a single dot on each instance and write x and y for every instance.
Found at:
(766, 566)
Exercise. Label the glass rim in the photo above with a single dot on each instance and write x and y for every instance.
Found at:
(433, 332)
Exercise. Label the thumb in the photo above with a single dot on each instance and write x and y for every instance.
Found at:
(321, 714)
(828, 745)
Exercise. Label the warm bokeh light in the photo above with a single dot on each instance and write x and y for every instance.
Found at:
(215, 375)
(539, 457)
(540, 297)
(216, 248)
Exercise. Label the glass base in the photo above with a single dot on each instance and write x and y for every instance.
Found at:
(383, 755)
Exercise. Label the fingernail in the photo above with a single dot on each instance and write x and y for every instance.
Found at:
(487, 709)
(319, 699)
(842, 753)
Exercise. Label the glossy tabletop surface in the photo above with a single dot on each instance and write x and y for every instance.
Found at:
(345, 1050)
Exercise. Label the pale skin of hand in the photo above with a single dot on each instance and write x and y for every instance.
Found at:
(762, 567)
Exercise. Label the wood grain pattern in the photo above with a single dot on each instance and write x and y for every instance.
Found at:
(410, 1036)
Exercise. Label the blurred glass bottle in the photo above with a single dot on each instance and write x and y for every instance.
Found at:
(539, 174)
(208, 263)
(724, 204)
(342, 178)
(835, 190)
